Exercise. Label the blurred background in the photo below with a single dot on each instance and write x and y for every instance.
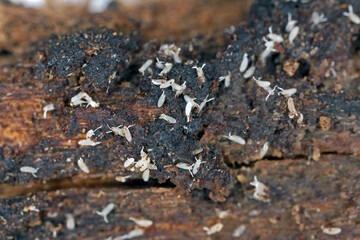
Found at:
(161, 20)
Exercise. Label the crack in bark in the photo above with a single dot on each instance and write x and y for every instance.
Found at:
(11, 190)
(299, 157)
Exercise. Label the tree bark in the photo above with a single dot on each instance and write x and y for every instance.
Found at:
(310, 169)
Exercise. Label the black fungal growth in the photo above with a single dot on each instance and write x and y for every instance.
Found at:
(95, 59)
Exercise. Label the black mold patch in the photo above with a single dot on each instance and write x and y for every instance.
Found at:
(97, 59)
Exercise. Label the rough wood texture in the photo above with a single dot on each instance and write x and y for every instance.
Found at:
(305, 196)
(311, 169)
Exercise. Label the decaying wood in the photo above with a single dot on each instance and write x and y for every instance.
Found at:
(306, 196)
(309, 170)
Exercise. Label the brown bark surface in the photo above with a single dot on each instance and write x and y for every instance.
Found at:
(311, 169)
